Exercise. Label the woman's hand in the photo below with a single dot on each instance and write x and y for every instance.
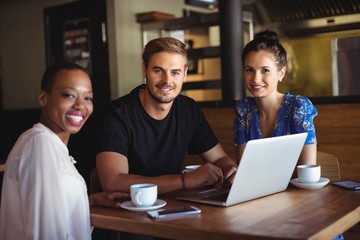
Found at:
(108, 199)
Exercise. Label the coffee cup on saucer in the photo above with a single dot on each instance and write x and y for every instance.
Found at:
(308, 173)
(190, 168)
(143, 194)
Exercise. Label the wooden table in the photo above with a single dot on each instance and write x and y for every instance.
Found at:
(293, 214)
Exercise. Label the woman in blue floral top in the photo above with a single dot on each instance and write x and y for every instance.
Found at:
(268, 112)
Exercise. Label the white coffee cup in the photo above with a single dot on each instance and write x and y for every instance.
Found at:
(308, 173)
(190, 168)
(143, 194)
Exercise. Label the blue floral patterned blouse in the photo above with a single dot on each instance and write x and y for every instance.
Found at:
(296, 115)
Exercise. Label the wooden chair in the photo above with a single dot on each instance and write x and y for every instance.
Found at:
(329, 166)
(95, 185)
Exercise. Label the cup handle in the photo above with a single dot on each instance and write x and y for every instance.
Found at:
(137, 197)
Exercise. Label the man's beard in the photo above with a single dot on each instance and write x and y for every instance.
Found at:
(160, 99)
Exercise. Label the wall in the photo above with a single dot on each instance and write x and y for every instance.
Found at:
(337, 129)
(22, 50)
(22, 46)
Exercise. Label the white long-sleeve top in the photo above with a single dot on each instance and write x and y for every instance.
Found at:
(43, 194)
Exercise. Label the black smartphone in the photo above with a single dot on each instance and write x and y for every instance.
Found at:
(174, 212)
(349, 184)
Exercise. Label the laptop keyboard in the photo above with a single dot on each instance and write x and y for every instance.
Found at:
(220, 197)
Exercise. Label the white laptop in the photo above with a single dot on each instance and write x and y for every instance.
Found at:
(265, 168)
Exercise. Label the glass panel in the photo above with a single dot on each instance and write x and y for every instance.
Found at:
(310, 65)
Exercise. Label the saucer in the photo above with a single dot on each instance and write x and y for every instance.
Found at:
(322, 182)
(129, 205)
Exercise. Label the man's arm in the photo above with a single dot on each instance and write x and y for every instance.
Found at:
(113, 170)
(219, 158)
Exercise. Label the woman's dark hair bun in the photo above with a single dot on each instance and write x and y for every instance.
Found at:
(268, 41)
(267, 34)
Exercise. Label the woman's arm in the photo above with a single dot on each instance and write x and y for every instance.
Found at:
(308, 154)
(109, 199)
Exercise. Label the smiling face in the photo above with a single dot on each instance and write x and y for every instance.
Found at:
(261, 73)
(165, 75)
(69, 104)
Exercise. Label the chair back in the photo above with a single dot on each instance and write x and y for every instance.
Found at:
(329, 166)
(95, 185)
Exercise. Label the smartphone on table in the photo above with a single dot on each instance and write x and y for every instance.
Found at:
(349, 184)
(174, 212)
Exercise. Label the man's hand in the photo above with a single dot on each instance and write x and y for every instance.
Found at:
(206, 175)
(229, 176)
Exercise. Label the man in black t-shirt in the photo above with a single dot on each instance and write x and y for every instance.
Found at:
(147, 133)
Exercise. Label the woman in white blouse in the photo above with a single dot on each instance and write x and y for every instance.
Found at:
(43, 195)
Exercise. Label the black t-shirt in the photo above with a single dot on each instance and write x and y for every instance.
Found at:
(155, 147)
